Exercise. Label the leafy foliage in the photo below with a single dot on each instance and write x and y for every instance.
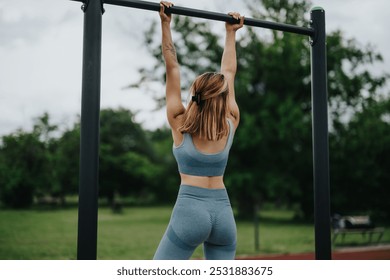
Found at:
(360, 161)
(125, 155)
(37, 164)
(25, 164)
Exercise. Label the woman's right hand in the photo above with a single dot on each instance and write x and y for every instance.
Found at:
(235, 26)
(164, 17)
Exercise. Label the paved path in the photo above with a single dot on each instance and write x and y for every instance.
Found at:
(378, 252)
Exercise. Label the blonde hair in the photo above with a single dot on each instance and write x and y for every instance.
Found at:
(206, 114)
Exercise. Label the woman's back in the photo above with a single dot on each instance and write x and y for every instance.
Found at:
(199, 160)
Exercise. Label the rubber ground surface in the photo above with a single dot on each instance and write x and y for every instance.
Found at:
(377, 252)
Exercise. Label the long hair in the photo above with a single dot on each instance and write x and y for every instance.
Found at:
(207, 111)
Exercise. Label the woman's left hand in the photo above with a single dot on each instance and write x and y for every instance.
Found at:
(164, 17)
(235, 26)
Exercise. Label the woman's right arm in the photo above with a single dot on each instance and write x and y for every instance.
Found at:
(229, 63)
(175, 106)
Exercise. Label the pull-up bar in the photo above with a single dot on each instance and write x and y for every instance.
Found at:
(211, 15)
(90, 110)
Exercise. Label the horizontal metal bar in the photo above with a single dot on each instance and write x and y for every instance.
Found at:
(153, 6)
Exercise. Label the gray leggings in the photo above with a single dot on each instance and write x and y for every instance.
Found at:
(200, 216)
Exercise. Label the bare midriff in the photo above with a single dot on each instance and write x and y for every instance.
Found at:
(214, 182)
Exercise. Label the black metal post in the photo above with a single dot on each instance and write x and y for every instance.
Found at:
(320, 136)
(154, 6)
(89, 139)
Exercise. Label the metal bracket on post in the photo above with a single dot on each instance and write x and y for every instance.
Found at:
(314, 36)
(84, 7)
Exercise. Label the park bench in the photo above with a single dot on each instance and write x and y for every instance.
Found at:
(355, 225)
(48, 200)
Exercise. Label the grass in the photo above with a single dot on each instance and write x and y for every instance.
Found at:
(135, 234)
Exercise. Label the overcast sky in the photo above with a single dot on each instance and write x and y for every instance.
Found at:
(41, 54)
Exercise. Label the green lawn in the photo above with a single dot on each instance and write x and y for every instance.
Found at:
(135, 234)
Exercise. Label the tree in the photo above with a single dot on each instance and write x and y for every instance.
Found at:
(67, 156)
(127, 159)
(168, 176)
(26, 164)
(360, 163)
(44, 163)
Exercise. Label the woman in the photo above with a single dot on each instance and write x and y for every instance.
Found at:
(202, 135)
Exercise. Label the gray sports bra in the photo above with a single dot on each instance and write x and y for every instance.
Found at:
(193, 162)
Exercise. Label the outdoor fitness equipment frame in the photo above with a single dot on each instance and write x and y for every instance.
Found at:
(90, 109)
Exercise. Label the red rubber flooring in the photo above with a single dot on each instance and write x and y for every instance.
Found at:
(380, 252)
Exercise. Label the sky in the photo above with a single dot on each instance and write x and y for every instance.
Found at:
(41, 54)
